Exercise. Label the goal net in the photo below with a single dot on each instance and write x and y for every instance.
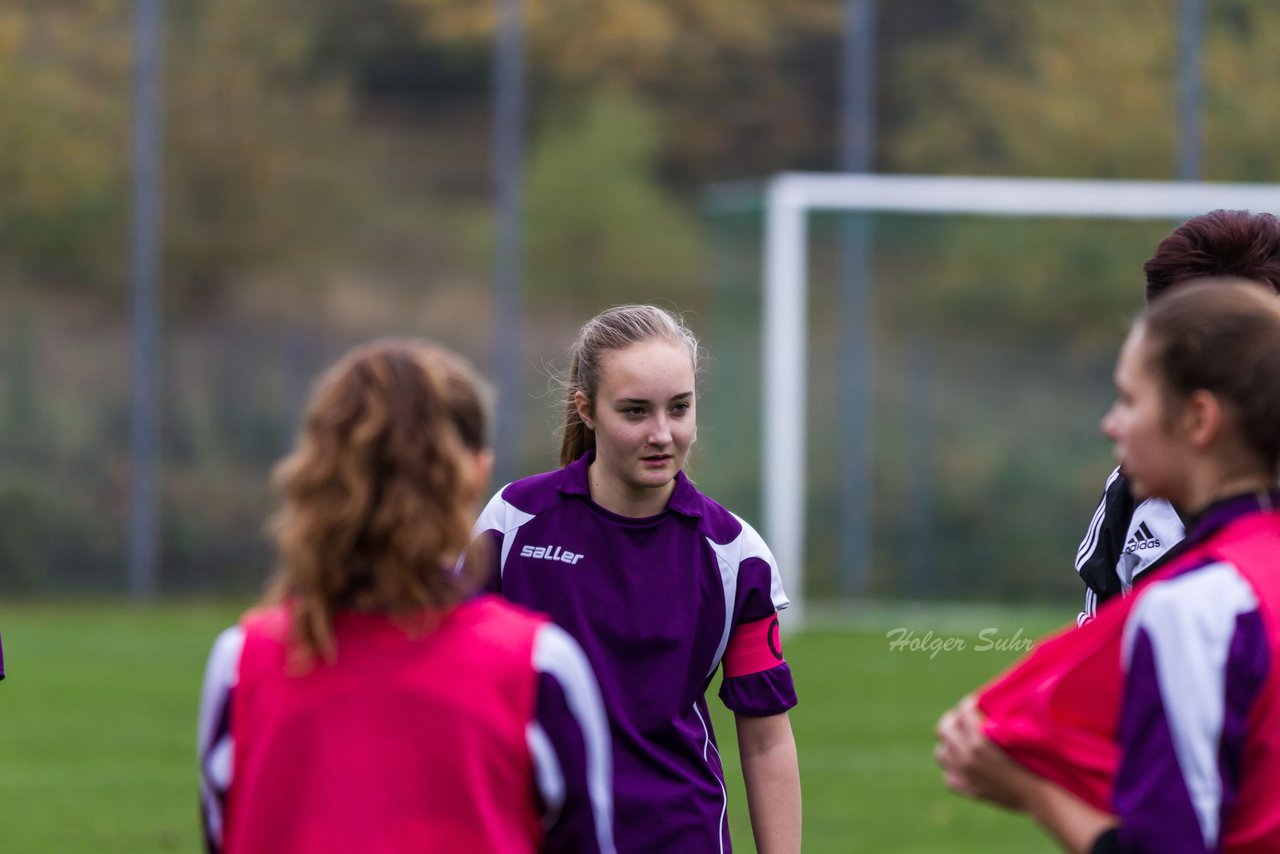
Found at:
(984, 314)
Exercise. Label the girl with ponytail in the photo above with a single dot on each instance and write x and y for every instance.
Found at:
(373, 702)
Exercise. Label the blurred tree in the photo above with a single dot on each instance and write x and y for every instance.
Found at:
(1084, 89)
(1242, 77)
(379, 47)
(598, 222)
(63, 153)
(1079, 90)
(253, 174)
(634, 43)
(748, 87)
(258, 112)
(244, 128)
(735, 85)
(1078, 281)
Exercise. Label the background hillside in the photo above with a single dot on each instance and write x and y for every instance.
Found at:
(327, 179)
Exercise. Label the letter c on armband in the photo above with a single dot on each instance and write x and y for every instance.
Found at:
(775, 639)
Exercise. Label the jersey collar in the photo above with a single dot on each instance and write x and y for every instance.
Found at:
(684, 498)
(1218, 514)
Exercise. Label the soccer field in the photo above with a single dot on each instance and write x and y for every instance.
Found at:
(97, 727)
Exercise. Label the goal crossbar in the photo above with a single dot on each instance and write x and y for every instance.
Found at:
(789, 197)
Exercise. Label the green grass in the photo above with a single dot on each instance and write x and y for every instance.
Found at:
(97, 729)
(97, 738)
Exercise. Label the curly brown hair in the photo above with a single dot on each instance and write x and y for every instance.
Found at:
(379, 493)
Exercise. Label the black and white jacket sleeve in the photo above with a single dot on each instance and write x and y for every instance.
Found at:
(1126, 538)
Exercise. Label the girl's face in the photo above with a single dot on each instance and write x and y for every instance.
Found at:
(644, 419)
(1151, 449)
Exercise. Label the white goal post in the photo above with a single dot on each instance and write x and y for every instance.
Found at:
(789, 197)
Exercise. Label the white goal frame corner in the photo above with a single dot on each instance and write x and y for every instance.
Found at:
(789, 199)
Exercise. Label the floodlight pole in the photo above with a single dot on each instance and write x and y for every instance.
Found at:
(144, 515)
(1190, 89)
(508, 154)
(856, 396)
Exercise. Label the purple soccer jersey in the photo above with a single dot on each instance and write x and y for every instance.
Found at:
(1196, 654)
(654, 602)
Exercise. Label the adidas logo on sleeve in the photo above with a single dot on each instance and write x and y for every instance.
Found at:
(1142, 539)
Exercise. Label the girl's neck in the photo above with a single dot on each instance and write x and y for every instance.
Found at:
(634, 503)
(1210, 494)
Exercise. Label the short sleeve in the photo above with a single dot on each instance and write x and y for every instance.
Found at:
(757, 679)
(214, 740)
(1103, 543)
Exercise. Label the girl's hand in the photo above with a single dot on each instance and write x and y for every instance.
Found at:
(974, 765)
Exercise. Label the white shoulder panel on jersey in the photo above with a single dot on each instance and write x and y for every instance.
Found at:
(557, 654)
(751, 544)
(220, 676)
(214, 750)
(1191, 621)
(729, 557)
(504, 518)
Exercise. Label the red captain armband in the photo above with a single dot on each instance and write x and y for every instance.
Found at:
(754, 647)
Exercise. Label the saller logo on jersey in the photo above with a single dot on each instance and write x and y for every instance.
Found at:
(550, 553)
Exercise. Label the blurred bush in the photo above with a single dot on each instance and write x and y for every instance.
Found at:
(599, 221)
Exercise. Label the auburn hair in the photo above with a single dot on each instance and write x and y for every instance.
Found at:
(1222, 336)
(378, 494)
(1221, 243)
